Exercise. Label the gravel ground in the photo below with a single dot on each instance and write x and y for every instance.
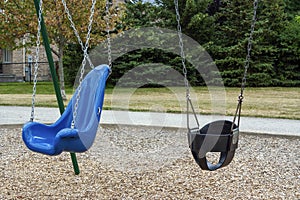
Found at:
(149, 163)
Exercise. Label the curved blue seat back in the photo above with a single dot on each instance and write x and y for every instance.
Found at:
(58, 137)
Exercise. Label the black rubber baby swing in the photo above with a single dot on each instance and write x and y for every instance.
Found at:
(75, 130)
(218, 136)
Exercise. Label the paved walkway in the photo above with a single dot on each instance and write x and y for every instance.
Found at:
(15, 115)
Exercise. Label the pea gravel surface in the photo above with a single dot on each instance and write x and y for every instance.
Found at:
(130, 162)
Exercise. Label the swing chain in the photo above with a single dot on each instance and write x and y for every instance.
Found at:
(184, 69)
(247, 63)
(72, 24)
(36, 64)
(249, 47)
(182, 54)
(85, 57)
(107, 20)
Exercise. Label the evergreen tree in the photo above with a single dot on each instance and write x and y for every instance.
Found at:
(288, 69)
(222, 28)
(266, 52)
(228, 46)
(292, 8)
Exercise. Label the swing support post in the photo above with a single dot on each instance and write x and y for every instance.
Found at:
(54, 77)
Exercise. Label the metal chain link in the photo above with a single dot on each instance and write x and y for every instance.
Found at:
(249, 47)
(183, 59)
(83, 47)
(184, 69)
(237, 114)
(182, 54)
(36, 64)
(107, 20)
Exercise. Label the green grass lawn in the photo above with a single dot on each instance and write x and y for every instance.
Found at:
(275, 102)
(26, 88)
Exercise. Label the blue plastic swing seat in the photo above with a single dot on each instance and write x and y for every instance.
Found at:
(58, 137)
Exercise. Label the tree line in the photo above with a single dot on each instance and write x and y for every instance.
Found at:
(221, 27)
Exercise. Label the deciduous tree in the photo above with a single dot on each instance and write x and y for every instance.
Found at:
(18, 19)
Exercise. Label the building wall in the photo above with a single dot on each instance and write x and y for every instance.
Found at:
(1, 66)
(16, 69)
(6, 66)
(19, 66)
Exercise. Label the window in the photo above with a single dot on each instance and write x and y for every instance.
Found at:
(7, 56)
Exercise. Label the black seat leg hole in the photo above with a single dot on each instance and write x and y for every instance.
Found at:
(213, 157)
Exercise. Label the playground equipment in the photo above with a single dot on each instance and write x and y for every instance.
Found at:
(218, 136)
(75, 130)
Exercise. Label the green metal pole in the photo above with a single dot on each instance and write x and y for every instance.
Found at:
(54, 77)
